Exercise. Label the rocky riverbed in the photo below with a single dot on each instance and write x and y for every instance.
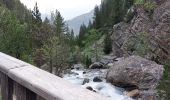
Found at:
(95, 80)
(133, 76)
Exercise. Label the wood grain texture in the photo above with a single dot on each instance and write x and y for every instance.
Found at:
(39, 98)
(19, 92)
(30, 95)
(6, 87)
(44, 84)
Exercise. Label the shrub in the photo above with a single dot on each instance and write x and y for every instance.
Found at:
(139, 2)
(150, 6)
(164, 87)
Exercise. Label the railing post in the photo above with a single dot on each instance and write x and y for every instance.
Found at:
(40, 98)
(30, 95)
(6, 87)
(19, 92)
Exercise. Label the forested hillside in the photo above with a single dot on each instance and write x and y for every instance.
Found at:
(25, 36)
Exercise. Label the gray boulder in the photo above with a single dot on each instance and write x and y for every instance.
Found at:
(107, 59)
(96, 65)
(78, 66)
(135, 72)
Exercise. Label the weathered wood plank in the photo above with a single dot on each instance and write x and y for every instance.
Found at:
(6, 87)
(50, 86)
(7, 63)
(19, 92)
(44, 84)
(40, 98)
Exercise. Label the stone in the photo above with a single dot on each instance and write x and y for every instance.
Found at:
(78, 66)
(89, 88)
(97, 79)
(133, 93)
(86, 80)
(135, 72)
(96, 65)
(107, 59)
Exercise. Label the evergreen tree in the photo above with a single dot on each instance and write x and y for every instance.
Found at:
(36, 15)
(107, 45)
(81, 37)
(97, 17)
(59, 24)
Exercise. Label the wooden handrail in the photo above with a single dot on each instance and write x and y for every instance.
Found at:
(22, 81)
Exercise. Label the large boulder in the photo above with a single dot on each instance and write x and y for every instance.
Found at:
(135, 72)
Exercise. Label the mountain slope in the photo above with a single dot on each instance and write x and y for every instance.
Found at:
(76, 22)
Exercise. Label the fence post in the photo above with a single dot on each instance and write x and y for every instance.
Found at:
(6, 87)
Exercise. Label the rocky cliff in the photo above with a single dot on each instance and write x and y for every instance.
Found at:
(147, 34)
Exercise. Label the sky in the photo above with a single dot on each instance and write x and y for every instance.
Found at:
(68, 8)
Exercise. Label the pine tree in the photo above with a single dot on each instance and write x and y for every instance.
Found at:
(81, 37)
(59, 24)
(97, 17)
(36, 15)
(107, 45)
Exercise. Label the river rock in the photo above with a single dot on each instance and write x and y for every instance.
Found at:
(96, 65)
(86, 80)
(133, 93)
(89, 88)
(135, 72)
(78, 66)
(97, 79)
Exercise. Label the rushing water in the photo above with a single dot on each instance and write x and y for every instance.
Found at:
(103, 88)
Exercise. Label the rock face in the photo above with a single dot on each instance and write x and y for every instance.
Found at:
(135, 72)
(147, 34)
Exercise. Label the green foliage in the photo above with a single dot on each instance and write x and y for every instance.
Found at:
(56, 54)
(24, 36)
(59, 23)
(139, 2)
(138, 44)
(107, 45)
(110, 12)
(142, 44)
(81, 36)
(36, 15)
(88, 61)
(164, 87)
(150, 6)
(14, 35)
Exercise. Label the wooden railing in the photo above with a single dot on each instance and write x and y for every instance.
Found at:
(22, 81)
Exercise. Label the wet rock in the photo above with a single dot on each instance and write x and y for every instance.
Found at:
(84, 72)
(96, 65)
(73, 73)
(86, 80)
(97, 79)
(78, 66)
(89, 88)
(135, 71)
